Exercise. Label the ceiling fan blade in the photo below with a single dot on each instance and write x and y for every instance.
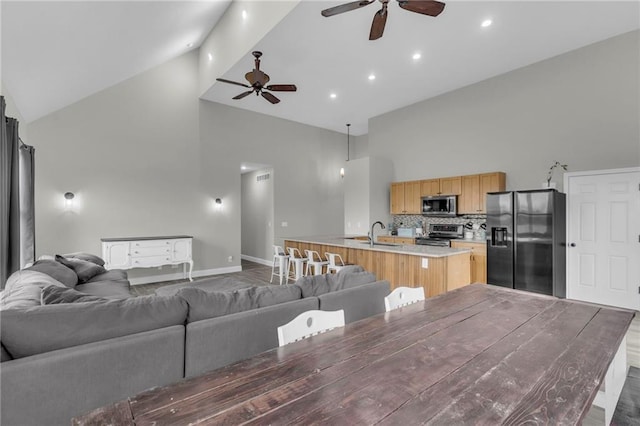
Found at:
(282, 87)
(345, 7)
(242, 95)
(232, 82)
(426, 7)
(268, 96)
(379, 21)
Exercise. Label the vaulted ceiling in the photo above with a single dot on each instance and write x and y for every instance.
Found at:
(56, 53)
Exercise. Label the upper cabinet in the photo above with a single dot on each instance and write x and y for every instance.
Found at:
(473, 198)
(443, 186)
(471, 191)
(405, 197)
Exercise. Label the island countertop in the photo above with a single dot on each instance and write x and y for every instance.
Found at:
(349, 241)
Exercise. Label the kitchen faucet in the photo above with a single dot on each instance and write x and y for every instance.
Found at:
(371, 234)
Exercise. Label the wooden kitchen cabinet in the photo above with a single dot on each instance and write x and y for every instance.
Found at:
(405, 197)
(478, 259)
(472, 199)
(442, 186)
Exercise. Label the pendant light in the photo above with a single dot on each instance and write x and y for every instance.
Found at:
(348, 134)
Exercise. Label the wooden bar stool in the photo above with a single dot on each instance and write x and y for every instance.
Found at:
(281, 261)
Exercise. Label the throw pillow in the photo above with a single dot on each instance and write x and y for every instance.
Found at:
(23, 289)
(55, 270)
(52, 294)
(83, 268)
(85, 256)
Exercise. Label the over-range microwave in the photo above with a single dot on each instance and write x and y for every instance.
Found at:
(440, 206)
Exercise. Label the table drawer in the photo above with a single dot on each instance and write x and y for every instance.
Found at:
(150, 261)
(150, 251)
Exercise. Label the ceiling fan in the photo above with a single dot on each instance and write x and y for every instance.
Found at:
(425, 7)
(257, 80)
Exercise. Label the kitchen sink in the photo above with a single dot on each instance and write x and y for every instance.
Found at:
(380, 244)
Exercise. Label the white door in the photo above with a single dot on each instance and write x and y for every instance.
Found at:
(603, 258)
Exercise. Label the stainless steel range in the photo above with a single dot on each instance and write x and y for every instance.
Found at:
(441, 234)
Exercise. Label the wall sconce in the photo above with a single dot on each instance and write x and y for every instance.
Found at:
(341, 172)
(217, 204)
(68, 199)
(219, 201)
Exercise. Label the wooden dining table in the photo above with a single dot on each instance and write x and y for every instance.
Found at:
(476, 355)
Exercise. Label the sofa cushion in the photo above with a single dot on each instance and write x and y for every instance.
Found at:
(85, 256)
(211, 304)
(109, 290)
(23, 289)
(275, 294)
(83, 268)
(4, 355)
(52, 294)
(316, 285)
(46, 328)
(55, 270)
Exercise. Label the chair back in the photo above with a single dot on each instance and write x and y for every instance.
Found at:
(278, 251)
(308, 324)
(403, 296)
(295, 253)
(314, 256)
(333, 259)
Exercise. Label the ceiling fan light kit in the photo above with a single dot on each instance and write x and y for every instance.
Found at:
(424, 7)
(257, 83)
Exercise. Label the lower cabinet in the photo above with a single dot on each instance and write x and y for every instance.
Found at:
(478, 259)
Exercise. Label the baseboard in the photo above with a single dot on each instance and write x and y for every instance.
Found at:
(180, 275)
(256, 260)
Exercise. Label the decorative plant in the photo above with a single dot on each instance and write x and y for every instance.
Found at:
(552, 168)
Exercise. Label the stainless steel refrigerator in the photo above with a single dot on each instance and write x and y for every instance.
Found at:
(526, 240)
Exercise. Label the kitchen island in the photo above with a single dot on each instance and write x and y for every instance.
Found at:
(436, 269)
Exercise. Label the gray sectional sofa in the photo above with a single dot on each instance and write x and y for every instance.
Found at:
(86, 350)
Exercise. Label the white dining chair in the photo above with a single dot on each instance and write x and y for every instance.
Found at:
(403, 296)
(308, 324)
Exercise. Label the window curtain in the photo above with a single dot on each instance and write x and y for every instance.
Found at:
(13, 250)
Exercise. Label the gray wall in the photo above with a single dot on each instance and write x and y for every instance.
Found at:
(146, 157)
(257, 215)
(580, 108)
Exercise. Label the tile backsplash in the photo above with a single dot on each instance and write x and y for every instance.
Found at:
(415, 221)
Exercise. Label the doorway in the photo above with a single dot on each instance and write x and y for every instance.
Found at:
(257, 213)
(603, 237)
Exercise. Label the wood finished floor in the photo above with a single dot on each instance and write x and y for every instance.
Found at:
(627, 412)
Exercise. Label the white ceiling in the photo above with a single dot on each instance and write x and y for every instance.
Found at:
(55, 53)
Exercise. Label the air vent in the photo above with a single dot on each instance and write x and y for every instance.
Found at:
(263, 177)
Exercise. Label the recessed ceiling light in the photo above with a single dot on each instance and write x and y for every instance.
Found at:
(243, 167)
(244, 14)
(372, 77)
(486, 23)
(210, 56)
(333, 96)
(416, 56)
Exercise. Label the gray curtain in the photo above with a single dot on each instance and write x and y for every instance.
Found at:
(11, 219)
(27, 204)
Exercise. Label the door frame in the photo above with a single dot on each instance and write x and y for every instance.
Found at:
(565, 186)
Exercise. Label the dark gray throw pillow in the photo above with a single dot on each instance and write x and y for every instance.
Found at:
(83, 268)
(85, 256)
(52, 294)
(55, 270)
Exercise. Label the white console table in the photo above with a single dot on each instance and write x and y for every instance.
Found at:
(148, 252)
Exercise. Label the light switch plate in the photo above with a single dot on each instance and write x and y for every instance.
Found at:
(425, 263)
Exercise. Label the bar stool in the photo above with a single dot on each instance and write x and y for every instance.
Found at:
(296, 264)
(335, 262)
(314, 262)
(282, 259)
